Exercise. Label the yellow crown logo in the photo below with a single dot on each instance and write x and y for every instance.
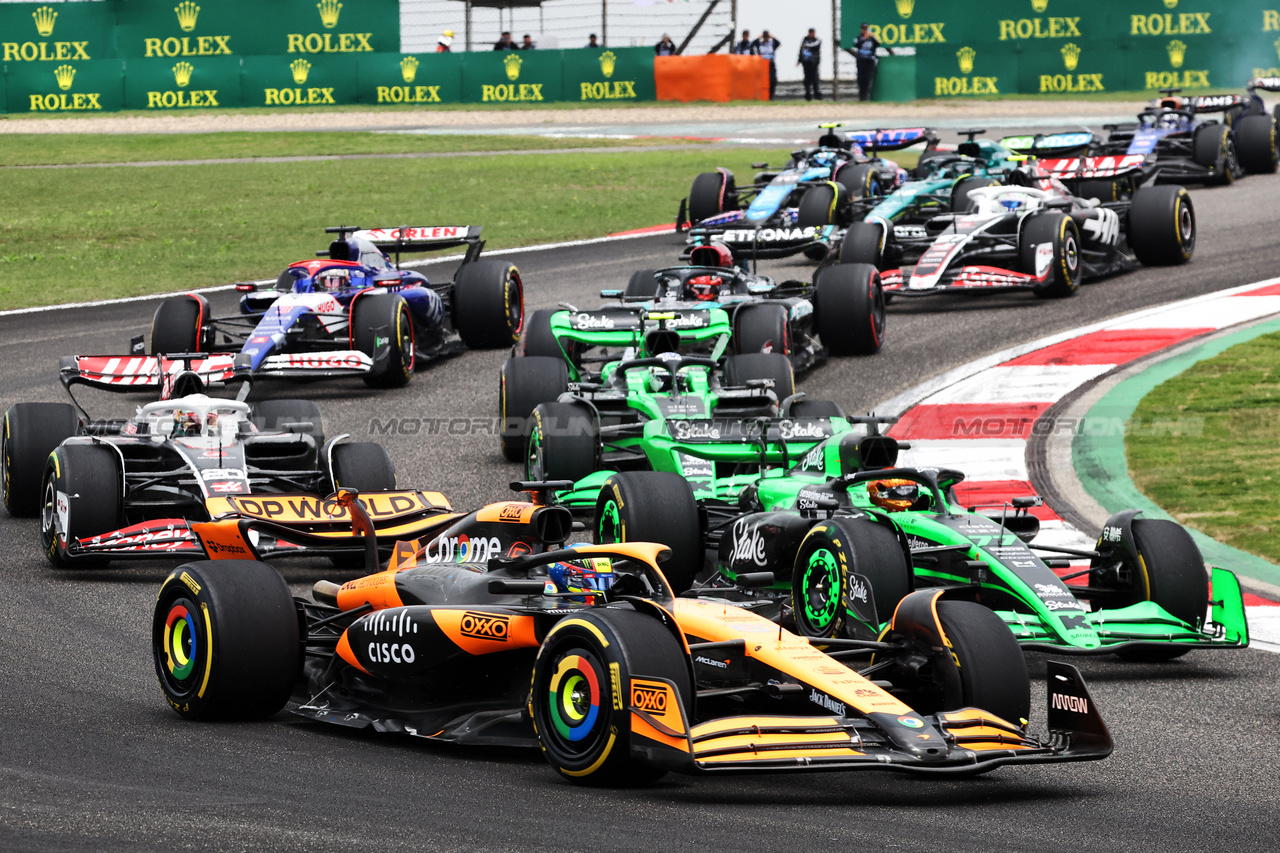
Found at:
(44, 20)
(608, 61)
(905, 7)
(65, 74)
(966, 55)
(300, 69)
(1170, 4)
(187, 13)
(1177, 53)
(182, 73)
(1071, 56)
(409, 68)
(512, 61)
(329, 10)
(1039, 5)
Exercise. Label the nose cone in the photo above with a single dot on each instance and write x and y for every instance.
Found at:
(913, 735)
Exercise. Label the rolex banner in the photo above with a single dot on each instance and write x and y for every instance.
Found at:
(53, 33)
(613, 74)
(65, 87)
(1074, 46)
(417, 79)
(167, 84)
(512, 76)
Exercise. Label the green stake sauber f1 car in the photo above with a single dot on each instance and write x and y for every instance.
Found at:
(847, 535)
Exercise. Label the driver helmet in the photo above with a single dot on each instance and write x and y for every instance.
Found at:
(186, 423)
(593, 574)
(705, 288)
(331, 279)
(1013, 202)
(711, 255)
(211, 421)
(893, 495)
(1169, 120)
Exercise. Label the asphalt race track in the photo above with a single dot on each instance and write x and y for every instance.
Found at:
(91, 757)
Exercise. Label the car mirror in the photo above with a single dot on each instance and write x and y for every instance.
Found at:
(759, 165)
(516, 587)
(754, 580)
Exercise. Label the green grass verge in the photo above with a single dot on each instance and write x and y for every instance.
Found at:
(1224, 481)
(32, 149)
(77, 234)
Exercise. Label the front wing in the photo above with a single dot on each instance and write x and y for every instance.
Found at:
(975, 740)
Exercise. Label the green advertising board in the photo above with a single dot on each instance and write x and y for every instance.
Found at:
(420, 79)
(614, 74)
(299, 81)
(1074, 46)
(512, 76)
(67, 87)
(182, 30)
(168, 84)
(54, 32)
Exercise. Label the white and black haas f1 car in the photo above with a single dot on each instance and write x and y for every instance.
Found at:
(1188, 148)
(128, 488)
(353, 311)
(1066, 220)
(802, 207)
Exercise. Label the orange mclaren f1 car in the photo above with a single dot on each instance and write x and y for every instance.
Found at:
(585, 653)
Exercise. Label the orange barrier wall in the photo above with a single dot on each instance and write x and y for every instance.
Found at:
(713, 77)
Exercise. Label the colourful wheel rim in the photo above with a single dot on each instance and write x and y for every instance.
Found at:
(574, 697)
(821, 587)
(181, 643)
(608, 528)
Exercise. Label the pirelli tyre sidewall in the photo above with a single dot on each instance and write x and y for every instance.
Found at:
(591, 669)
(1162, 225)
(225, 640)
(82, 496)
(380, 324)
(712, 193)
(1067, 266)
(1213, 147)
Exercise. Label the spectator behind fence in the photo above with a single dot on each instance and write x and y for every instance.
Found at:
(666, 47)
(526, 43)
(743, 47)
(592, 42)
(767, 46)
(810, 56)
(864, 51)
(444, 44)
(504, 43)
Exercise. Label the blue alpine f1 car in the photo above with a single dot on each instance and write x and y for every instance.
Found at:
(351, 311)
(803, 206)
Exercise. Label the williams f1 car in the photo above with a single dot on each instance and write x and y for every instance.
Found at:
(1188, 148)
(585, 653)
(1042, 233)
(847, 536)
(353, 311)
(129, 488)
(801, 207)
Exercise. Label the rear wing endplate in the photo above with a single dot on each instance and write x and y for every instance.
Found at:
(1042, 144)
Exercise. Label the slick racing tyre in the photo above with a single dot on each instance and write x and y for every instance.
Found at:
(653, 506)
(991, 666)
(361, 465)
(862, 180)
(774, 366)
(295, 415)
(31, 432)
(524, 383)
(641, 286)
(1214, 148)
(822, 204)
(82, 496)
(960, 200)
(762, 328)
(537, 337)
(863, 243)
(849, 309)
(180, 325)
(712, 193)
(224, 638)
(591, 669)
(821, 579)
(1065, 264)
(382, 329)
(564, 442)
(488, 304)
(1162, 226)
(1171, 573)
(1256, 144)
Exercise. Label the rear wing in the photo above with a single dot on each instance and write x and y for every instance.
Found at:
(893, 140)
(1216, 103)
(406, 239)
(1042, 144)
(1071, 168)
(131, 373)
(1266, 84)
